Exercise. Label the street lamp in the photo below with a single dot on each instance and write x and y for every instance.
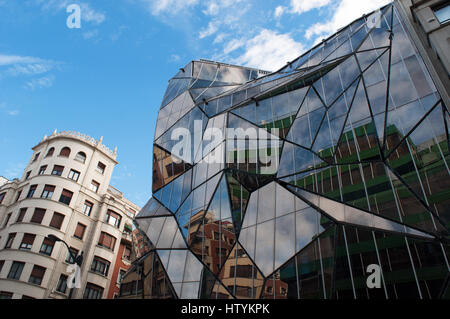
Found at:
(75, 258)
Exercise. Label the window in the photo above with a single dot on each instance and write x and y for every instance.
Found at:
(62, 284)
(6, 295)
(37, 274)
(442, 13)
(66, 197)
(2, 262)
(8, 217)
(121, 275)
(242, 271)
(57, 220)
(65, 152)
(94, 186)
(87, 208)
(127, 253)
(18, 195)
(48, 192)
(74, 175)
(21, 215)
(57, 170)
(50, 152)
(36, 157)
(10, 240)
(100, 266)
(81, 157)
(47, 247)
(69, 258)
(42, 170)
(28, 175)
(113, 218)
(92, 291)
(38, 216)
(107, 241)
(101, 168)
(27, 242)
(16, 270)
(2, 196)
(31, 191)
(79, 231)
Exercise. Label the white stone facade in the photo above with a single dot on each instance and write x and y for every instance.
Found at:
(98, 166)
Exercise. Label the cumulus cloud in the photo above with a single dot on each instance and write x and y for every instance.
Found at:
(270, 50)
(344, 13)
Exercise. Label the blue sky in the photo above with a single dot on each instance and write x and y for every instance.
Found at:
(116, 66)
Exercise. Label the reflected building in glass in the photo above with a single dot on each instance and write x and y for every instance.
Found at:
(352, 170)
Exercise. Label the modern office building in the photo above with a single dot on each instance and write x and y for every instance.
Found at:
(330, 182)
(64, 192)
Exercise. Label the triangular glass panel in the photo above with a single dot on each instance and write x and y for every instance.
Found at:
(274, 113)
(358, 140)
(169, 233)
(239, 197)
(350, 215)
(251, 181)
(166, 168)
(185, 146)
(174, 89)
(215, 236)
(173, 194)
(153, 209)
(193, 208)
(367, 58)
(240, 275)
(401, 120)
(215, 133)
(295, 159)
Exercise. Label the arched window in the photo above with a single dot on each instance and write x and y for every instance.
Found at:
(50, 152)
(65, 152)
(81, 157)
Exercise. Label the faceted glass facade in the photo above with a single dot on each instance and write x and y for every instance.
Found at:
(361, 177)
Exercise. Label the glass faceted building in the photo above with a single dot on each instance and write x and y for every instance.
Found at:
(359, 135)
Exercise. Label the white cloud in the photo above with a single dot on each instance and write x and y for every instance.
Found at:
(170, 7)
(88, 14)
(90, 34)
(40, 83)
(270, 50)
(15, 59)
(25, 65)
(279, 11)
(7, 109)
(233, 45)
(345, 12)
(210, 30)
(301, 6)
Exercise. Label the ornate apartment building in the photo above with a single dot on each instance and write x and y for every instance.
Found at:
(64, 192)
